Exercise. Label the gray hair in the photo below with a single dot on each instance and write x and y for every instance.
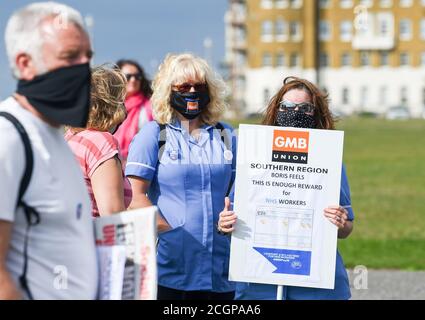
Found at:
(23, 30)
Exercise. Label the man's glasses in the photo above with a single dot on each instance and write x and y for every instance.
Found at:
(186, 87)
(136, 76)
(305, 107)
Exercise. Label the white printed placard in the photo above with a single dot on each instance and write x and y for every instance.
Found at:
(111, 266)
(285, 178)
(135, 231)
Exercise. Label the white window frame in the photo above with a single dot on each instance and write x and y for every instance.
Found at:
(350, 60)
(268, 35)
(383, 94)
(406, 3)
(408, 35)
(266, 96)
(325, 4)
(298, 60)
(382, 20)
(345, 96)
(299, 34)
(364, 54)
(325, 25)
(422, 28)
(266, 4)
(346, 37)
(364, 95)
(281, 37)
(269, 56)
(404, 95)
(404, 63)
(366, 3)
(346, 4)
(324, 60)
(296, 4)
(280, 57)
(381, 55)
(281, 4)
(386, 3)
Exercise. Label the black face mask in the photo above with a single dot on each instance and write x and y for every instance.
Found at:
(62, 95)
(189, 104)
(295, 119)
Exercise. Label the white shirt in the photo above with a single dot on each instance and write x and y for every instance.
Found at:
(62, 261)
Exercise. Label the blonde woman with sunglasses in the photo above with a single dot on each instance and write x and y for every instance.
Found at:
(184, 164)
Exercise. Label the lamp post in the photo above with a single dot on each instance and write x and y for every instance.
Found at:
(208, 43)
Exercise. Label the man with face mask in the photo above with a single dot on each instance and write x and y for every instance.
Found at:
(47, 246)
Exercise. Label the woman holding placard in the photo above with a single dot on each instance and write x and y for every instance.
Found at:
(300, 104)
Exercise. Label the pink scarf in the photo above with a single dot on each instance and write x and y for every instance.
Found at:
(137, 106)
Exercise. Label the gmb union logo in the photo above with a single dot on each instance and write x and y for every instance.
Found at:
(290, 146)
(296, 265)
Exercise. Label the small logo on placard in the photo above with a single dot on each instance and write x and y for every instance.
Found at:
(296, 265)
(290, 146)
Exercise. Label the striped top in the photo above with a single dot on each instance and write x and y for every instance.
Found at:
(92, 148)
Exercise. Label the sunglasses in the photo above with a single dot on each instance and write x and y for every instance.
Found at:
(136, 76)
(186, 87)
(305, 107)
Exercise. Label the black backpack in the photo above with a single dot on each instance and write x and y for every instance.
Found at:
(224, 138)
(31, 215)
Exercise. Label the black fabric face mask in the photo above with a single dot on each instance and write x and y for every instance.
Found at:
(189, 104)
(62, 95)
(295, 119)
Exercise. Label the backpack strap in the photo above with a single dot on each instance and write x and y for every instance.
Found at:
(226, 139)
(224, 136)
(31, 215)
(25, 181)
(162, 139)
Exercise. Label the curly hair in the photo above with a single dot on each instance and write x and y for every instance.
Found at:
(107, 94)
(322, 114)
(179, 68)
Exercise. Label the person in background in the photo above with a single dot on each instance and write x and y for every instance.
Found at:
(137, 102)
(95, 147)
(181, 164)
(47, 244)
(300, 104)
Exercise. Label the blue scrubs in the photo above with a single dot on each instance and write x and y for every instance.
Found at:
(188, 184)
(256, 291)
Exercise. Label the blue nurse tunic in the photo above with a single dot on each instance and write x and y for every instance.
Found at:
(188, 184)
(256, 291)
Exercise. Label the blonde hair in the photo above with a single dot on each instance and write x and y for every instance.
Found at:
(108, 91)
(180, 68)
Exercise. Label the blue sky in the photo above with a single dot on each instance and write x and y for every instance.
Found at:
(145, 30)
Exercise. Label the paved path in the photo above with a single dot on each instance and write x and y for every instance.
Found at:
(387, 285)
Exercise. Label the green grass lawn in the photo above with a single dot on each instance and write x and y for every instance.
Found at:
(386, 166)
(385, 163)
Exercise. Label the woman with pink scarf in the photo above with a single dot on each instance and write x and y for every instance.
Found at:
(137, 103)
